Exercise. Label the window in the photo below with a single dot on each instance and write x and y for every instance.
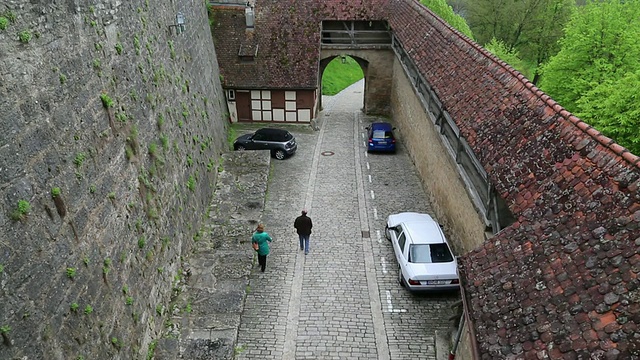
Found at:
(430, 253)
(231, 95)
(402, 239)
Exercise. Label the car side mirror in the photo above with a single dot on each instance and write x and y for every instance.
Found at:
(368, 127)
(393, 128)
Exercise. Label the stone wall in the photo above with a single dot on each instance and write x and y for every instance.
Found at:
(438, 171)
(121, 118)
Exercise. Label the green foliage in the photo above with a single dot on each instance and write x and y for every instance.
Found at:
(25, 36)
(5, 329)
(141, 242)
(129, 300)
(63, 78)
(55, 192)
(71, 272)
(79, 159)
(595, 74)
(532, 28)
(107, 102)
(11, 16)
(88, 309)
(21, 212)
(152, 349)
(164, 140)
(4, 22)
(1, 268)
(445, 12)
(613, 108)
(338, 75)
(119, 48)
(600, 44)
(511, 57)
(191, 183)
(111, 195)
(74, 307)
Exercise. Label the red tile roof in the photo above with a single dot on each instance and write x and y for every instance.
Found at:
(287, 35)
(562, 281)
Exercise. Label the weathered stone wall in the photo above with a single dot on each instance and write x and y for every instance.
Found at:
(89, 274)
(444, 186)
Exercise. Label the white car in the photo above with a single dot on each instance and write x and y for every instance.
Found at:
(425, 260)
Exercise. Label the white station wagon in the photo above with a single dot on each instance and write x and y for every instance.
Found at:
(425, 260)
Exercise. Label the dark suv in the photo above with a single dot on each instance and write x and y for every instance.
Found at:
(280, 142)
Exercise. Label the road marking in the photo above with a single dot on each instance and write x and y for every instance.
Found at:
(378, 236)
(368, 168)
(375, 213)
(373, 196)
(369, 178)
(379, 331)
(384, 265)
(390, 305)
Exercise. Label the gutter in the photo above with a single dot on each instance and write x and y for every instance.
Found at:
(473, 343)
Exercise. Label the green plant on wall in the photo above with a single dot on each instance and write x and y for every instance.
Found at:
(25, 36)
(4, 23)
(21, 212)
(107, 102)
(191, 183)
(79, 159)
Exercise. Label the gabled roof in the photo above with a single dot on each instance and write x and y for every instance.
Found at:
(562, 281)
(286, 35)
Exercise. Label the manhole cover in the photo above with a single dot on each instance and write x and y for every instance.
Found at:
(327, 153)
(365, 233)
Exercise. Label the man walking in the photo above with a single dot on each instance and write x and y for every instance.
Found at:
(303, 225)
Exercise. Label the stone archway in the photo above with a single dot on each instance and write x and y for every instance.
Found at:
(377, 67)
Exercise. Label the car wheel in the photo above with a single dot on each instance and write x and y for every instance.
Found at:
(279, 154)
(240, 148)
(387, 233)
(400, 277)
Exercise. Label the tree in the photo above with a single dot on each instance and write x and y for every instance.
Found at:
(511, 57)
(530, 27)
(613, 108)
(601, 43)
(445, 12)
(596, 73)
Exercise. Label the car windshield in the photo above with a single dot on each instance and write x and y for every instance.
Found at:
(381, 134)
(430, 253)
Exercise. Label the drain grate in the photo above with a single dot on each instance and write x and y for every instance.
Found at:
(365, 234)
(327, 153)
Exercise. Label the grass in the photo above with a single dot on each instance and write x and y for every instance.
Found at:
(55, 192)
(74, 307)
(338, 75)
(88, 309)
(25, 36)
(4, 22)
(71, 272)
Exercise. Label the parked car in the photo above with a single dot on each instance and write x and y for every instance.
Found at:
(425, 260)
(281, 143)
(380, 137)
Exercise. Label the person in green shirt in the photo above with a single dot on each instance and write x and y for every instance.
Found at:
(263, 239)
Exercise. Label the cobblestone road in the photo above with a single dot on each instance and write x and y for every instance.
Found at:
(342, 301)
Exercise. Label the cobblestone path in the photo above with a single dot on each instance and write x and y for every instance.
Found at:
(342, 301)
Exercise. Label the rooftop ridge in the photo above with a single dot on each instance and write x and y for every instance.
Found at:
(605, 141)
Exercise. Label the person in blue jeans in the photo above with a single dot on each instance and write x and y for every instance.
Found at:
(263, 239)
(303, 225)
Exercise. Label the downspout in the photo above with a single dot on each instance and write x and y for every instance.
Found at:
(452, 353)
(473, 344)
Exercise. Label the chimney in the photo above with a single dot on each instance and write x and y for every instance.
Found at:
(249, 16)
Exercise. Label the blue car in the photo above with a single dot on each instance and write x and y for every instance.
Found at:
(380, 137)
